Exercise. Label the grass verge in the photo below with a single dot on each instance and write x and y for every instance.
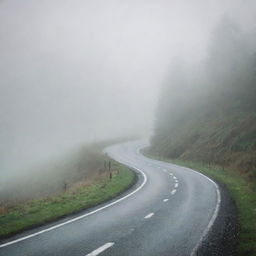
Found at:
(39, 211)
(243, 193)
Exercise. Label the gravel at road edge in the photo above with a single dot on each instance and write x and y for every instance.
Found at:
(223, 236)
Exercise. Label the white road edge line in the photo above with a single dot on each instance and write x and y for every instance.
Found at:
(215, 213)
(82, 216)
(173, 191)
(165, 200)
(149, 215)
(214, 216)
(100, 249)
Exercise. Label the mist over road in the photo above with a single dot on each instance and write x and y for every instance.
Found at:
(167, 212)
(65, 66)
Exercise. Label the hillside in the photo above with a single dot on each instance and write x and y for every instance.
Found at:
(208, 113)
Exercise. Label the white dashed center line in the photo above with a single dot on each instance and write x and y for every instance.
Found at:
(165, 200)
(173, 191)
(149, 215)
(176, 185)
(100, 249)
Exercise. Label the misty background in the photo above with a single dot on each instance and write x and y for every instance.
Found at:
(76, 72)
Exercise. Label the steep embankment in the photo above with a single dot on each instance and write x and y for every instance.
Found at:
(208, 114)
(226, 140)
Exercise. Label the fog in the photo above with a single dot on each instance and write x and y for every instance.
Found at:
(76, 72)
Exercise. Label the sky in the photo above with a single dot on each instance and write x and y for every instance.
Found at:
(78, 71)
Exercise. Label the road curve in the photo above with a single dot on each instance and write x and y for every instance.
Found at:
(168, 212)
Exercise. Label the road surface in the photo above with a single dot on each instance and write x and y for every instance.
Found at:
(168, 212)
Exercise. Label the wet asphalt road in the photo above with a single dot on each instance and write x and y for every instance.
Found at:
(167, 212)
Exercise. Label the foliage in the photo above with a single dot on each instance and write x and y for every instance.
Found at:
(35, 212)
(207, 114)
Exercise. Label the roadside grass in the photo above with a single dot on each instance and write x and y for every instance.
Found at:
(245, 198)
(243, 193)
(18, 217)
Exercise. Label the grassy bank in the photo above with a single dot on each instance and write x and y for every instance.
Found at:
(55, 174)
(81, 196)
(243, 193)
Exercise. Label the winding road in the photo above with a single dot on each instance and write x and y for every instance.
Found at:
(168, 212)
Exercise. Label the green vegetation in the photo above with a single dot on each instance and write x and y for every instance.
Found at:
(85, 162)
(243, 193)
(207, 113)
(81, 196)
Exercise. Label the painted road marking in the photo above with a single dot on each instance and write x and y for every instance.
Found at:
(176, 185)
(215, 213)
(149, 215)
(165, 200)
(173, 191)
(100, 249)
(214, 216)
(81, 216)
(171, 174)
